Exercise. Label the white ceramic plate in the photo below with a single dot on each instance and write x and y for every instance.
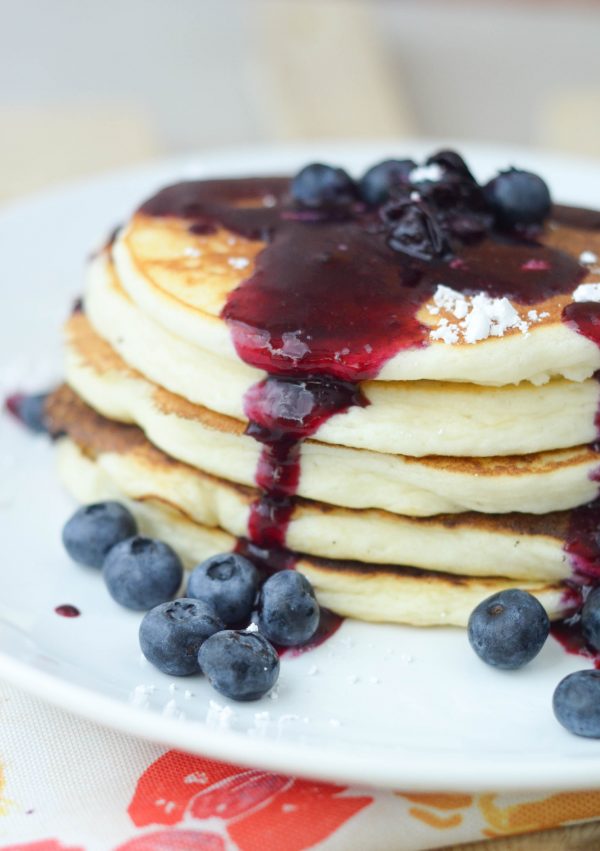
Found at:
(395, 707)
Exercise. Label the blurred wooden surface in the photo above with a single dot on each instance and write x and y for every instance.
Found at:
(46, 145)
(322, 72)
(582, 837)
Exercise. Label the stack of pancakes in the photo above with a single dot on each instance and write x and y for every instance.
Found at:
(458, 477)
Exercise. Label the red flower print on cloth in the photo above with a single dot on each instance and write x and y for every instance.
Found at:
(175, 840)
(259, 809)
(41, 845)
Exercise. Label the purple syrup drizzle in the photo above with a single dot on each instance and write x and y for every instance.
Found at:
(569, 636)
(66, 610)
(282, 412)
(329, 303)
(584, 317)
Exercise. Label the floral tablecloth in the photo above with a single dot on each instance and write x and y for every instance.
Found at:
(69, 785)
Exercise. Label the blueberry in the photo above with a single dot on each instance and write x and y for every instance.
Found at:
(379, 181)
(415, 231)
(141, 573)
(228, 582)
(288, 613)
(590, 619)
(30, 410)
(452, 163)
(576, 703)
(240, 665)
(518, 198)
(171, 634)
(319, 185)
(508, 629)
(94, 529)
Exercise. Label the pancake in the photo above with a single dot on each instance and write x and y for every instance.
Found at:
(519, 546)
(350, 478)
(393, 594)
(183, 280)
(411, 418)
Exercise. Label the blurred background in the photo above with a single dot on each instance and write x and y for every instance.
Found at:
(87, 86)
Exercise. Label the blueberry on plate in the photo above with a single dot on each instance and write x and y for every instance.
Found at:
(318, 185)
(239, 665)
(95, 529)
(518, 198)
(378, 182)
(141, 572)
(228, 582)
(29, 410)
(576, 703)
(288, 612)
(508, 629)
(590, 619)
(172, 633)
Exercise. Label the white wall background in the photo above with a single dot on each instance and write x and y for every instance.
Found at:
(86, 84)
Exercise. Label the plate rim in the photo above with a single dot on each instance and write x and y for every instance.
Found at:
(309, 761)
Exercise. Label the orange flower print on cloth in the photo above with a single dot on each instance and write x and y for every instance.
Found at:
(431, 802)
(527, 816)
(256, 809)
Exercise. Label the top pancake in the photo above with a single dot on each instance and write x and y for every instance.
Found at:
(185, 281)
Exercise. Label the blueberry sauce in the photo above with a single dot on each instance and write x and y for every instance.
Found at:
(13, 404)
(282, 412)
(329, 302)
(67, 611)
(582, 542)
(584, 317)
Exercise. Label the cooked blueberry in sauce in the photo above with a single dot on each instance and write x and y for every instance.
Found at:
(417, 233)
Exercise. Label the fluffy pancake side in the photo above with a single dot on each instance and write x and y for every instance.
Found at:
(183, 279)
(341, 476)
(393, 593)
(411, 418)
(516, 545)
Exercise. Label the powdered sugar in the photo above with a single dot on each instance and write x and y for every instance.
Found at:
(587, 292)
(479, 316)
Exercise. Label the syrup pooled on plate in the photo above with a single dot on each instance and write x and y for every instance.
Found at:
(66, 610)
